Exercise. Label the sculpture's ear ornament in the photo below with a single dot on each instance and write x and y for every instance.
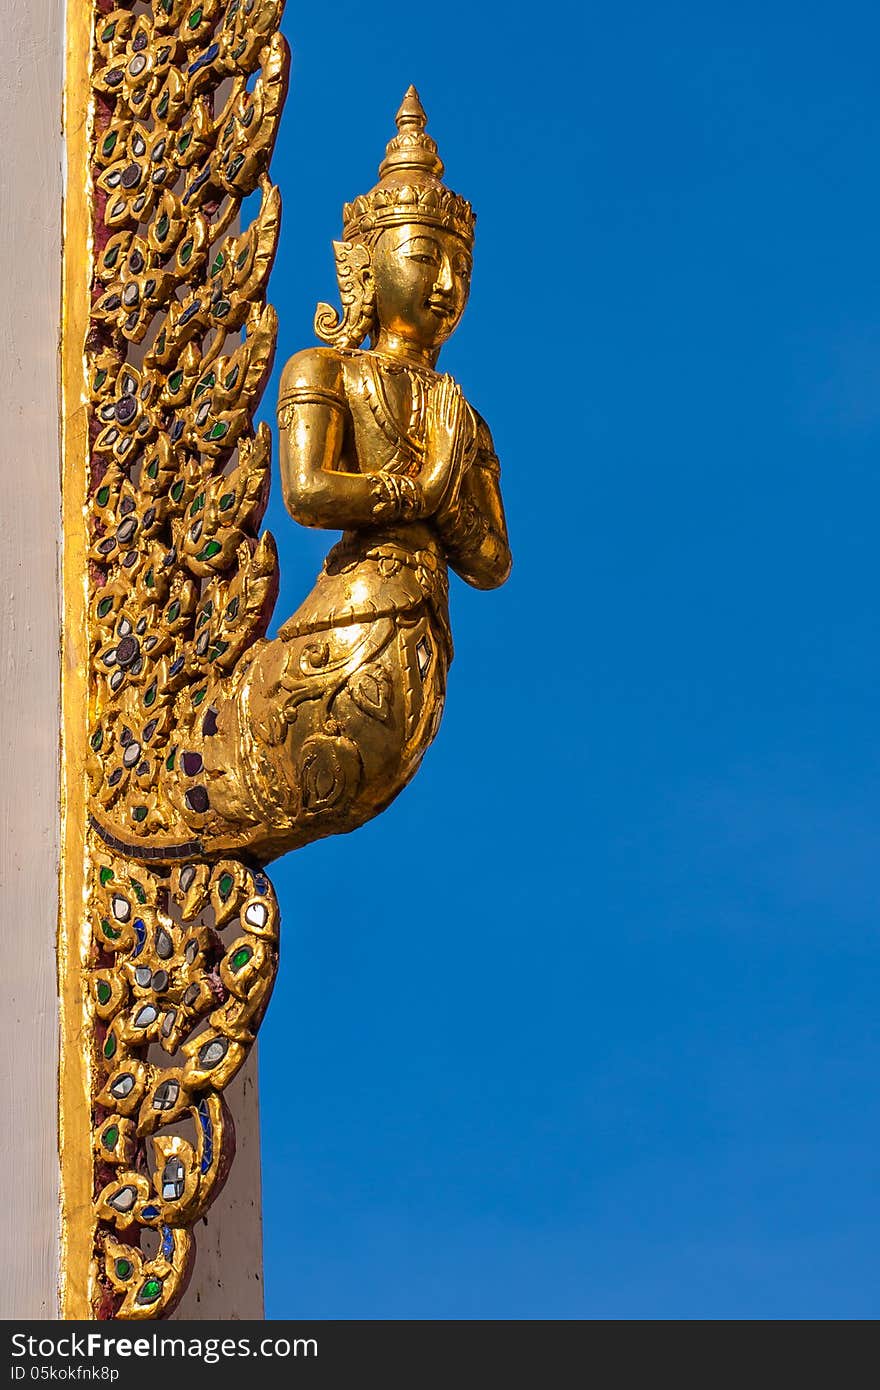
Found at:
(354, 274)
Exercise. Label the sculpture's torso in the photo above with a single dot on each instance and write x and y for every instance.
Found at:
(395, 565)
(321, 728)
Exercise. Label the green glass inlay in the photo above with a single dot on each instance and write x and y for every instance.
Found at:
(153, 469)
(221, 308)
(174, 381)
(100, 377)
(150, 579)
(226, 501)
(209, 380)
(224, 887)
(197, 504)
(160, 342)
(177, 491)
(105, 876)
(169, 761)
(218, 649)
(181, 148)
(210, 550)
(241, 957)
(138, 890)
(162, 227)
(241, 258)
(110, 932)
(102, 496)
(186, 251)
(109, 142)
(97, 739)
(150, 695)
(123, 1269)
(219, 263)
(110, 1136)
(150, 1291)
(110, 1046)
(199, 696)
(232, 608)
(218, 430)
(195, 18)
(140, 812)
(108, 32)
(173, 612)
(111, 256)
(230, 378)
(104, 607)
(103, 991)
(162, 109)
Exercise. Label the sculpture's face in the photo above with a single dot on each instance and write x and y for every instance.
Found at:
(422, 277)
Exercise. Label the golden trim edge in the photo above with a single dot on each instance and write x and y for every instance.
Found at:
(77, 1215)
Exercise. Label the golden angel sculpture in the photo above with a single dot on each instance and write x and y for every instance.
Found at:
(321, 728)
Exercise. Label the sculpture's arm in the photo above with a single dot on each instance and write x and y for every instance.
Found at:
(473, 529)
(311, 422)
(312, 413)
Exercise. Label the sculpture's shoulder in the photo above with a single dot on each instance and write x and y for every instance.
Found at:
(319, 369)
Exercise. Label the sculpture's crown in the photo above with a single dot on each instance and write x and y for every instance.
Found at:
(410, 187)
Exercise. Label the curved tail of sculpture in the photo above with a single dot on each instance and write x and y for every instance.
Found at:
(187, 99)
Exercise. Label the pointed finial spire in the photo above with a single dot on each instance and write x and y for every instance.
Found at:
(412, 151)
(411, 111)
(410, 187)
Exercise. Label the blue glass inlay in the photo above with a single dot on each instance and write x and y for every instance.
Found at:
(205, 58)
(167, 1242)
(140, 932)
(194, 188)
(150, 1213)
(208, 1137)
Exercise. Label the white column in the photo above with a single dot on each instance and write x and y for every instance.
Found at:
(31, 74)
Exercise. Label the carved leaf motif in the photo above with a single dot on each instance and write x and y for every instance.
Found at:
(330, 773)
(373, 694)
(189, 98)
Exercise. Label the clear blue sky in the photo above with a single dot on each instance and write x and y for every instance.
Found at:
(586, 1025)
